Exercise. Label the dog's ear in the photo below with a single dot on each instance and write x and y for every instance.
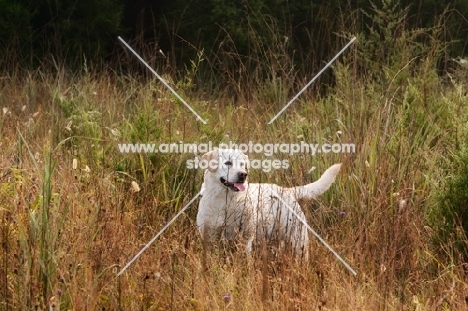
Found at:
(212, 160)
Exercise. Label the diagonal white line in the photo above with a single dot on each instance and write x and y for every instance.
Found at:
(314, 233)
(311, 81)
(162, 80)
(160, 232)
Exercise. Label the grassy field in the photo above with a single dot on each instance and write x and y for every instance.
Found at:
(72, 217)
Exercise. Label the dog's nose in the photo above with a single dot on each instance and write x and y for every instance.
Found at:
(242, 176)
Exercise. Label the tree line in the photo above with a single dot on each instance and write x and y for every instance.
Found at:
(237, 34)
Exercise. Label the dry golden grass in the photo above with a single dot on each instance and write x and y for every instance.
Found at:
(72, 217)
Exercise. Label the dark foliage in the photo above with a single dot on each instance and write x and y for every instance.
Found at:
(36, 32)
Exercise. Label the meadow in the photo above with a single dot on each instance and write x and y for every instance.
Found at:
(74, 209)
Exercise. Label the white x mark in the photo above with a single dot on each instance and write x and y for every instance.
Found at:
(311, 81)
(162, 80)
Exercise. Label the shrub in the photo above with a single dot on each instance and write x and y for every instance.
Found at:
(450, 217)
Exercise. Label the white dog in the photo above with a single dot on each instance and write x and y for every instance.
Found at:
(239, 211)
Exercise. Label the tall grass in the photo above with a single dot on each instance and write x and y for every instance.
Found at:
(66, 231)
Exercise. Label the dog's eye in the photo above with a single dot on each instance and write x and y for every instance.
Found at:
(228, 163)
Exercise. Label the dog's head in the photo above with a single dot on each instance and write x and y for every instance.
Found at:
(229, 167)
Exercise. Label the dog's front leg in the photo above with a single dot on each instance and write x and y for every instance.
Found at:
(205, 232)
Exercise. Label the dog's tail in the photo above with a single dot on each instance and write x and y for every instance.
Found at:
(315, 189)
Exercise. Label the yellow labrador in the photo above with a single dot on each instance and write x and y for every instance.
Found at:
(239, 211)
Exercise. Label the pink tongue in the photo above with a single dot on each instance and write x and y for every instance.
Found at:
(239, 187)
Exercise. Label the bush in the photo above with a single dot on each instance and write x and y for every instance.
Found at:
(450, 218)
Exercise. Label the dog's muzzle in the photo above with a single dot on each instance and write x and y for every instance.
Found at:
(235, 186)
